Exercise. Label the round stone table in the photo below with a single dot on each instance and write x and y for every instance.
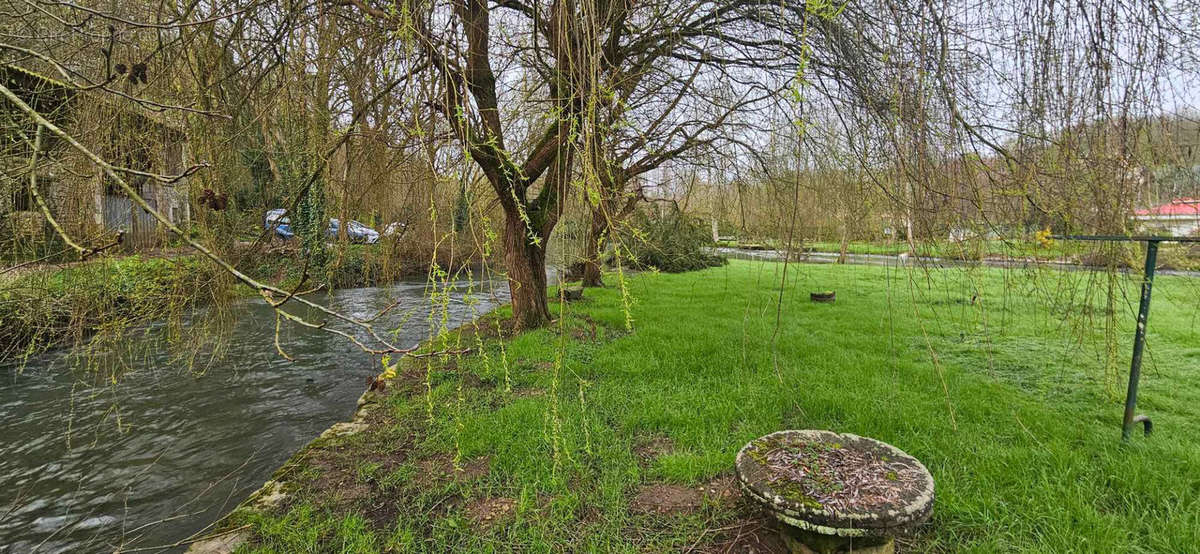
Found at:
(836, 492)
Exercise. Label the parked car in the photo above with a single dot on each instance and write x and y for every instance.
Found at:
(277, 219)
(356, 231)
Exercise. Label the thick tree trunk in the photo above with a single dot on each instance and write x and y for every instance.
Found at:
(591, 257)
(526, 264)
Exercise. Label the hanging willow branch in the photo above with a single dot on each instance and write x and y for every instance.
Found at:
(267, 291)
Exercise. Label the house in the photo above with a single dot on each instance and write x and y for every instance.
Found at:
(1179, 217)
(81, 198)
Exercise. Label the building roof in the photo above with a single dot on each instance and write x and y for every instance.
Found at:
(43, 93)
(1176, 207)
(48, 95)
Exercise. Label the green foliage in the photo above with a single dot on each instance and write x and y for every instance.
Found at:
(349, 265)
(311, 223)
(263, 193)
(41, 310)
(672, 242)
(462, 210)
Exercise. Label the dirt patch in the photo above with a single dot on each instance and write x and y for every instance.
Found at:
(754, 535)
(721, 489)
(487, 512)
(441, 467)
(476, 469)
(588, 332)
(660, 498)
(353, 494)
(591, 515)
(529, 392)
(332, 474)
(348, 472)
(648, 449)
(666, 499)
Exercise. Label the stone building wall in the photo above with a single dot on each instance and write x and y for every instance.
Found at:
(72, 186)
(7, 191)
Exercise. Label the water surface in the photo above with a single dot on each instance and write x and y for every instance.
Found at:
(164, 451)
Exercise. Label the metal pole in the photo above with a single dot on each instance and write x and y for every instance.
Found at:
(1139, 343)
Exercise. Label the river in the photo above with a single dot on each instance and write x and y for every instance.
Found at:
(164, 451)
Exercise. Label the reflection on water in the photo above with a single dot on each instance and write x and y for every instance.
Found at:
(163, 452)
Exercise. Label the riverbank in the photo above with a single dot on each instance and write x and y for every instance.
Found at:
(57, 306)
(190, 426)
(588, 437)
(44, 309)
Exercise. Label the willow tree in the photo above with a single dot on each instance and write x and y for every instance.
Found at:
(623, 87)
(547, 97)
(458, 60)
(693, 83)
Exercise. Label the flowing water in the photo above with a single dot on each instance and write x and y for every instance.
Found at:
(166, 450)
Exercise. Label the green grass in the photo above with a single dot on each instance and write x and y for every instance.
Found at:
(1012, 400)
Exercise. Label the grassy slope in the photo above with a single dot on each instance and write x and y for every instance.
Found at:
(1030, 460)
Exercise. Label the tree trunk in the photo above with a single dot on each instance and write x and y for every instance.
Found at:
(591, 259)
(845, 243)
(526, 275)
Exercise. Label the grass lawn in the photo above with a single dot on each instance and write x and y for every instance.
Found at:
(594, 439)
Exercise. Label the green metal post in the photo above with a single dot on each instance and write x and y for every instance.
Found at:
(1139, 343)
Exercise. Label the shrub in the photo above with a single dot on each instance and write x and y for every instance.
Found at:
(1115, 254)
(672, 242)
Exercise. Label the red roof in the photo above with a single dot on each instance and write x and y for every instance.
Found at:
(1178, 206)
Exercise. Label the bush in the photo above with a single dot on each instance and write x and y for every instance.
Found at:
(1115, 254)
(1179, 257)
(671, 242)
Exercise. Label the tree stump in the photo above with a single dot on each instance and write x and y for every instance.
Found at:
(572, 294)
(826, 296)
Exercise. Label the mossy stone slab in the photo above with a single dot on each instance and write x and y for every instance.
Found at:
(790, 503)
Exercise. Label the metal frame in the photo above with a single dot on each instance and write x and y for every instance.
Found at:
(1139, 337)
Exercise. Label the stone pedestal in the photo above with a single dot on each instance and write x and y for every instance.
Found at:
(800, 541)
(836, 492)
